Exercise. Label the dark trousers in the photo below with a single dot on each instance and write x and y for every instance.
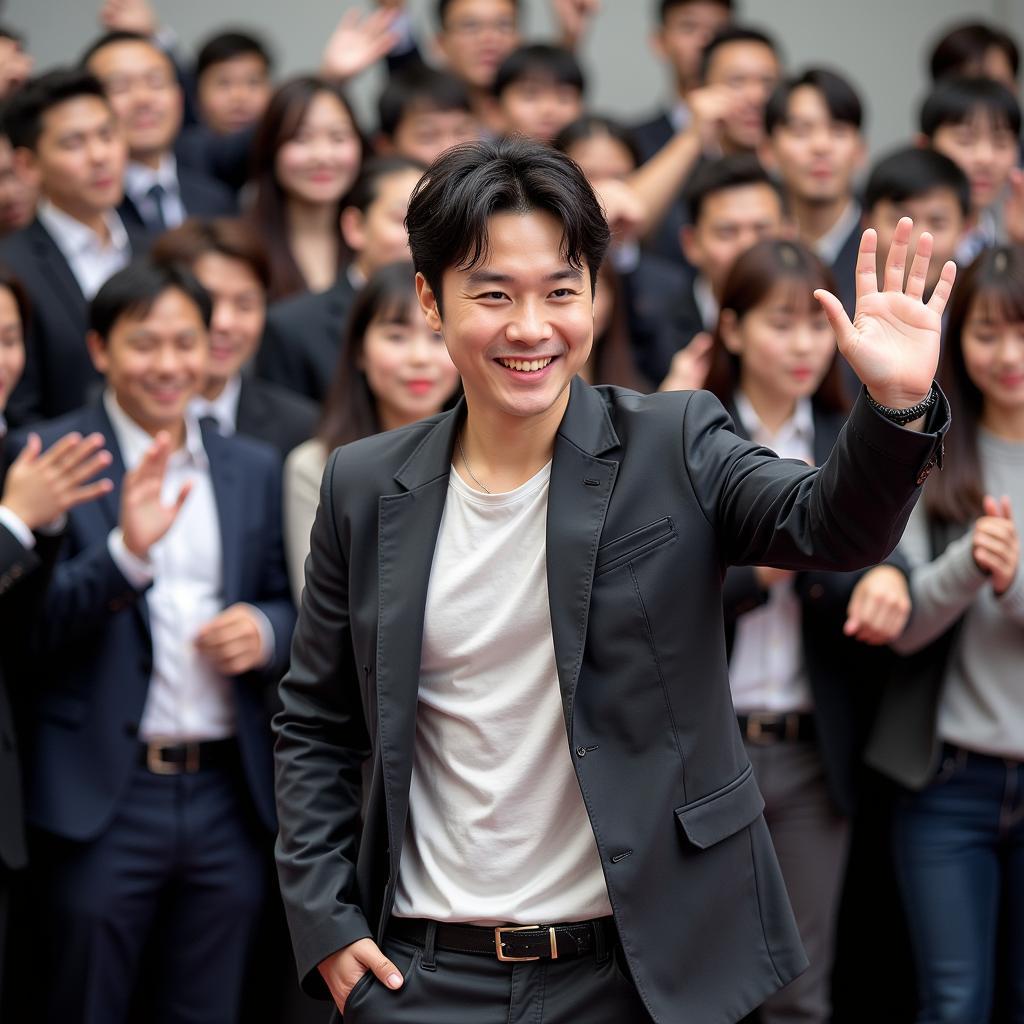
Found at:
(178, 875)
(472, 988)
(810, 839)
(959, 847)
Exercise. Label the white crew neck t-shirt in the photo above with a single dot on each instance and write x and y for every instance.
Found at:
(497, 830)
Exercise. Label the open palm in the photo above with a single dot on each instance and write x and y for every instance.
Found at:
(893, 341)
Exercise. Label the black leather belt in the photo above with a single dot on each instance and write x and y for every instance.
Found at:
(759, 727)
(512, 942)
(165, 758)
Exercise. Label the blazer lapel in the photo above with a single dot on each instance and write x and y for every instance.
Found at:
(229, 497)
(55, 268)
(407, 527)
(581, 487)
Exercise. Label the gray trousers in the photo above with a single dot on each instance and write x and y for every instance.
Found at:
(811, 839)
(470, 988)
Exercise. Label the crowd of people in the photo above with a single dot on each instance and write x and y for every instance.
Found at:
(206, 287)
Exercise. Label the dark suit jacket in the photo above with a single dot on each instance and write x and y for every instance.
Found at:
(222, 157)
(650, 498)
(201, 195)
(303, 338)
(843, 673)
(94, 652)
(59, 375)
(275, 415)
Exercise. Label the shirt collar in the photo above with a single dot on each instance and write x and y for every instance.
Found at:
(707, 304)
(134, 442)
(139, 179)
(800, 425)
(223, 408)
(73, 237)
(829, 245)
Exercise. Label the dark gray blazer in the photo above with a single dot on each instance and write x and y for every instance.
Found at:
(651, 497)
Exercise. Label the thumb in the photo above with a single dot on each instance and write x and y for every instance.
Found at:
(384, 970)
(844, 331)
(700, 344)
(851, 625)
(991, 507)
(1006, 507)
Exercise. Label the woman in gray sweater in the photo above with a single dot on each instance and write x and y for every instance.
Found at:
(951, 728)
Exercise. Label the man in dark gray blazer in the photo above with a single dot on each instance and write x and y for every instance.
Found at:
(515, 611)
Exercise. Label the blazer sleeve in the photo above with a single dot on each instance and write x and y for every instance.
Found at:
(321, 743)
(845, 515)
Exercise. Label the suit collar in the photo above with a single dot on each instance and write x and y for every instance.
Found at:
(586, 425)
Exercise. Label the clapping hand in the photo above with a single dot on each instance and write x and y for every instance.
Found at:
(144, 516)
(879, 606)
(893, 341)
(232, 641)
(995, 544)
(690, 365)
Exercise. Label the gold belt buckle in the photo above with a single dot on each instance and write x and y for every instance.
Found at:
(158, 766)
(756, 722)
(524, 928)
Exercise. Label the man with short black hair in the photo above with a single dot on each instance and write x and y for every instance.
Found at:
(513, 610)
(814, 140)
(164, 630)
(68, 144)
(233, 81)
(539, 89)
(142, 85)
(976, 49)
(304, 334)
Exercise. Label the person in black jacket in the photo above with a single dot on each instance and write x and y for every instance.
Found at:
(798, 673)
(142, 85)
(37, 490)
(229, 261)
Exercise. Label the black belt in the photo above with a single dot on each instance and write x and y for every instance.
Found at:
(759, 727)
(512, 942)
(163, 758)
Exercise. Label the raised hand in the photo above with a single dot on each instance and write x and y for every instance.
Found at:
(144, 516)
(574, 17)
(879, 606)
(893, 342)
(232, 641)
(358, 42)
(128, 16)
(40, 488)
(995, 544)
(690, 365)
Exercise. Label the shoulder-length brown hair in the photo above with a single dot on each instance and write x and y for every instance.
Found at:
(280, 123)
(350, 410)
(751, 280)
(992, 285)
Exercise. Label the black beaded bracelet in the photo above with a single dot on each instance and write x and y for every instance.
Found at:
(904, 416)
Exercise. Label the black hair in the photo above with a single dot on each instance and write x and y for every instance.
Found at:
(539, 61)
(133, 290)
(23, 113)
(6, 32)
(590, 126)
(366, 187)
(112, 38)
(956, 101)
(416, 89)
(665, 6)
(11, 281)
(443, 5)
(734, 34)
(963, 48)
(468, 184)
(225, 46)
(841, 99)
(735, 171)
(912, 172)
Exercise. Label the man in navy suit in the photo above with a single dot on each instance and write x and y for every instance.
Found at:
(142, 85)
(165, 626)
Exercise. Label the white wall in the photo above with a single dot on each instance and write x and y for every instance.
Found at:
(880, 44)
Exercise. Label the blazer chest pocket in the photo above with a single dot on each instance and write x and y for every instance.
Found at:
(630, 546)
(723, 813)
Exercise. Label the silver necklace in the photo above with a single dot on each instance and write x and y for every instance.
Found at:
(465, 462)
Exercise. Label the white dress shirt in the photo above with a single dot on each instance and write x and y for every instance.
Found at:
(91, 260)
(223, 408)
(187, 698)
(831, 243)
(767, 671)
(139, 181)
(707, 304)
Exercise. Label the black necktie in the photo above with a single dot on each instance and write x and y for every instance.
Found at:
(156, 198)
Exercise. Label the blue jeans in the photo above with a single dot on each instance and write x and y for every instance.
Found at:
(959, 848)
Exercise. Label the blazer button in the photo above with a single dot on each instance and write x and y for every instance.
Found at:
(817, 591)
(581, 751)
